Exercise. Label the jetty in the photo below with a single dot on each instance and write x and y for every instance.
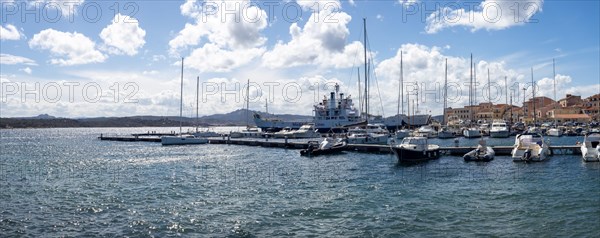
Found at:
(365, 148)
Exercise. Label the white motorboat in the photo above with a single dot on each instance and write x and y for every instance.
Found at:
(400, 134)
(372, 134)
(557, 132)
(530, 148)
(249, 132)
(471, 132)
(590, 149)
(305, 131)
(415, 149)
(445, 133)
(499, 130)
(285, 132)
(482, 153)
(426, 131)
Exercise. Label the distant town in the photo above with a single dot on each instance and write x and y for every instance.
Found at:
(571, 108)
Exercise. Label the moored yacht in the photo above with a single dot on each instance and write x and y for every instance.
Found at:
(445, 133)
(530, 148)
(305, 131)
(472, 132)
(590, 149)
(499, 130)
(372, 134)
(415, 149)
(426, 131)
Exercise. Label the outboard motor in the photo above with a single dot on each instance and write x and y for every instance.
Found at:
(527, 155)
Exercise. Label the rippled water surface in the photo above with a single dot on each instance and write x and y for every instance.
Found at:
(65, 182)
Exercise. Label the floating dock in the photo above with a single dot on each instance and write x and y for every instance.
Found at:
(293, 144)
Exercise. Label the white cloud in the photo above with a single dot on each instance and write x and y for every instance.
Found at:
(13, 59)
(27, 70)
(239, 31)
(123, 36)
(489, 15)
(321, 42)
(211, 58)
(9, 32)
(408, 2)
(74, 48)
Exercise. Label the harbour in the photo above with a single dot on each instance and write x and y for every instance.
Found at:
(113, 188)
(371, 148)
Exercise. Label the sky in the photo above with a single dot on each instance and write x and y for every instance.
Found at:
(81, 58)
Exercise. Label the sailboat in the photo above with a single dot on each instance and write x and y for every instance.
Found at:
(183, 139)
(471, 132)
(371, 133)
(554, 131)
(249, 132)
(401, 133)
(444, 131)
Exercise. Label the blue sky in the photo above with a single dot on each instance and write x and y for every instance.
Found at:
(133, 55)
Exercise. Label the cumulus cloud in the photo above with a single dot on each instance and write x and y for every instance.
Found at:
(13, 59)
(67, 48)
(488, 15)
(27, 70)
(9, 32)
(322, 41)
(230, 40)
(234, 31)
(211, 58)
(123, 36)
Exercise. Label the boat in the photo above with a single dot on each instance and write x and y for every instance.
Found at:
(305, 131)
(445, 133)
(499, 130)
(285, 132)
(250, 131)
(400, 134)
(426, 131)
(557, 132)
(327, 146)
(530, 148)
(415, 149)
(205, 133)
(371, 134)
(590, 149)
(182, 139)
(482, 153)
(471, 132)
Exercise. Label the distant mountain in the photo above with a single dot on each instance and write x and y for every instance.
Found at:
(236, 118)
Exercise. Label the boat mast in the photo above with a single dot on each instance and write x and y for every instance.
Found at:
(554, 77)
(197, 99)
(400, 95)
(181, 98)
(506, 89)
(359, 91)
(366, 73)
(445, 93)
(533, 98)
(247, 103)
(471, 93)
(490, 91)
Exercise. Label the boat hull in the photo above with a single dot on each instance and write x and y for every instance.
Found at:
(590, 154)
(317, 151)
(470, 133)
(499, 134)
(480, 156)
(406, 155)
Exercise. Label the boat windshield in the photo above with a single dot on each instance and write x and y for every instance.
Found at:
(414, 141)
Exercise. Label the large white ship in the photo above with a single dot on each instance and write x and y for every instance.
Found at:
(333, 114)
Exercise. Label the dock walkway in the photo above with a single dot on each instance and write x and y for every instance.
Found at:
(303, 144)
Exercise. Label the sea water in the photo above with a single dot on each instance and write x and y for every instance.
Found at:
(66, 182)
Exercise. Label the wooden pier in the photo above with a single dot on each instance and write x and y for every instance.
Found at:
(293, 144)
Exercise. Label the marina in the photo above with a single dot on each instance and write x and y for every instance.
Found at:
(371, 148)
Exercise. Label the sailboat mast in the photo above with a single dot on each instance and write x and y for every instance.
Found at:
(181, 98)
(401, 94)
(554, 79)
(533, 98)
(366, 73)
(471, 92)
(402, 80)
(489, 88)
(247, 103)
(359, 91)
(445, 93)
(197, 99)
